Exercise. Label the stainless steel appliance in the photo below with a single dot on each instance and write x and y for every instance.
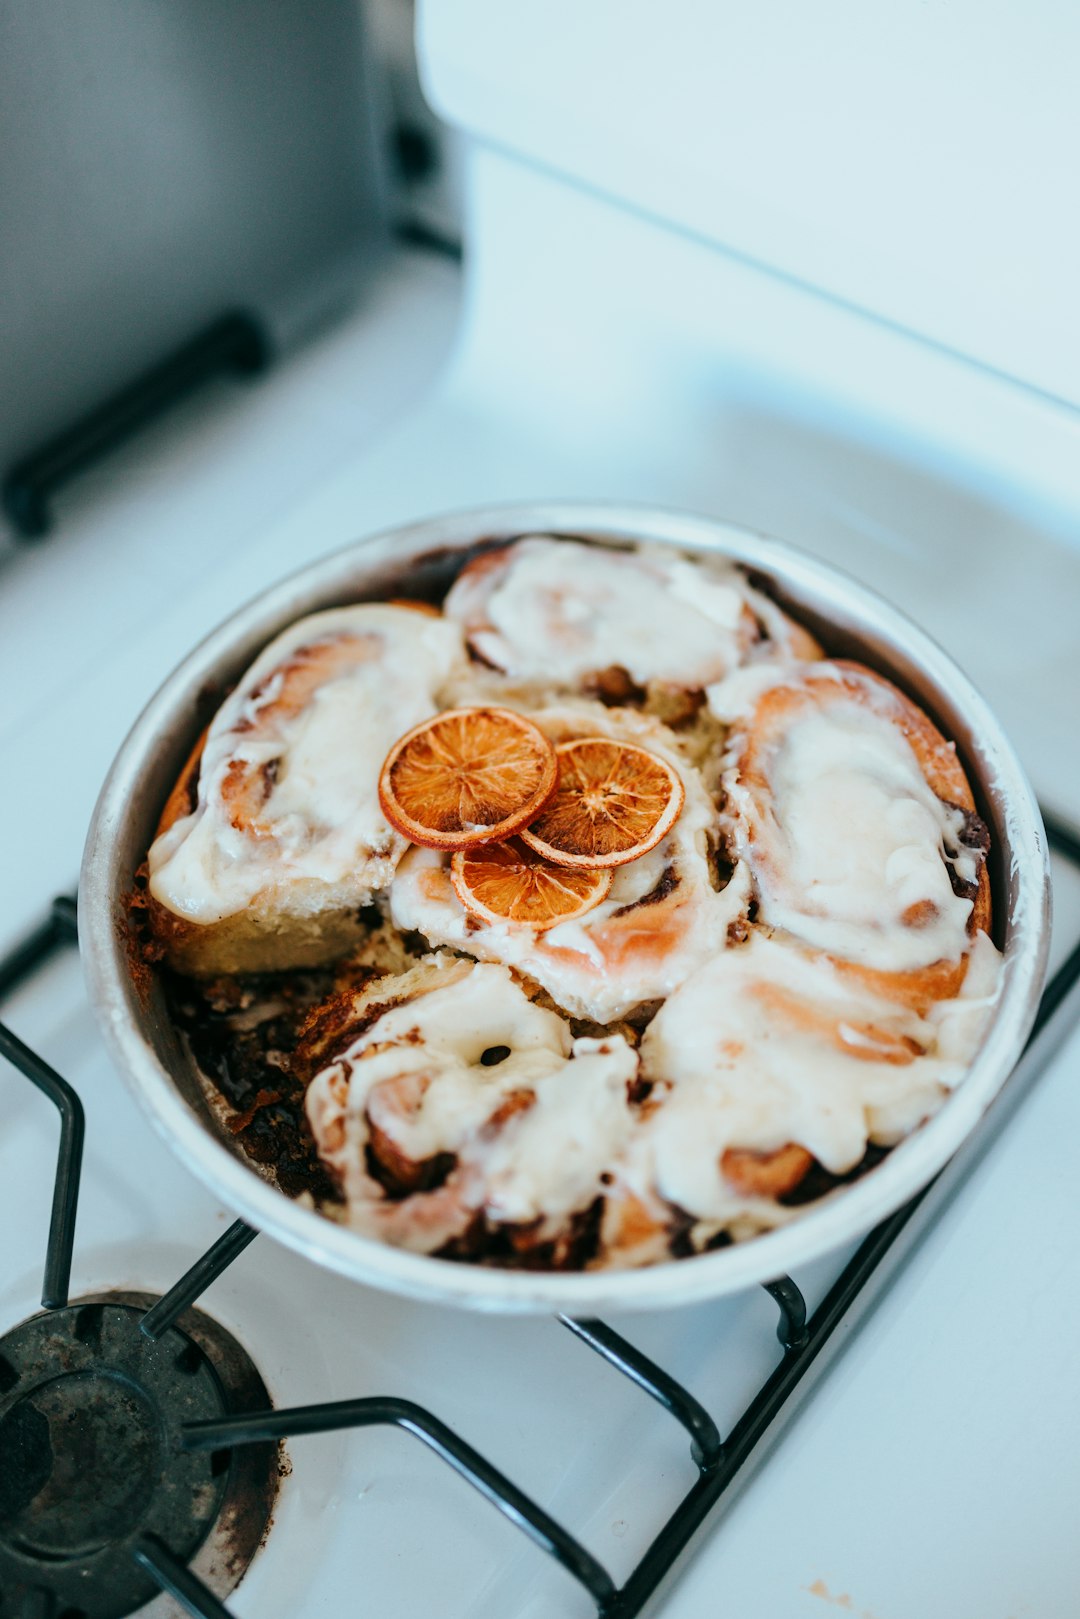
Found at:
(185, 193)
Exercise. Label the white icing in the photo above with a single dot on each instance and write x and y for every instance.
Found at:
(850, 838)
(756, 1045)
(736, 696)
(604, 964)
(770, 1044)
(416, 1074)
(321, 820)
(558, 611)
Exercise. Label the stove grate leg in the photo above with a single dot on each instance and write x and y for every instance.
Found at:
(259, 1426)
(217, 1259)
(54, 1293)
(177, 1580)
(791, 1329)
(706, 1446)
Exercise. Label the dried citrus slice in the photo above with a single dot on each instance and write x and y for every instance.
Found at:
(471, 775)
(614, 801)
(507, 882)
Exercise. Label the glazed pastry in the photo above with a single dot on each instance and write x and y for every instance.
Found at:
(273, 838)
(445, 1100)
(665, 913)
(858, 826)
(771, 1058)
(561, 613)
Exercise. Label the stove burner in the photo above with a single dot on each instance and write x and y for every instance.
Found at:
(121, 1372)
(95, 1478)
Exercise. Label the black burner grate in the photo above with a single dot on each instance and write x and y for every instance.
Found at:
(725, 1463)
(91, 1467)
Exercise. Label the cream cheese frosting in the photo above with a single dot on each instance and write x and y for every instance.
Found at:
(770, 1044)
(846, 839)
(766, 1044)
(288, 785)
(418, 1074)
(558, 611)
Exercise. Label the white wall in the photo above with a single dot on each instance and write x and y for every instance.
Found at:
(917, 158)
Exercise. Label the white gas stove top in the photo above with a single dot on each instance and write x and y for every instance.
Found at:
(924, 1475)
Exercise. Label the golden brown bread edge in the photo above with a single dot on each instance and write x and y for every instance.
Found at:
(255, 939)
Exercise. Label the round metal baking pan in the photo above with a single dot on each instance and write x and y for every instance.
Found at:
(850, 620)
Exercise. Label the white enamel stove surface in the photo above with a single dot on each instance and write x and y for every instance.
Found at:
(929, 1474)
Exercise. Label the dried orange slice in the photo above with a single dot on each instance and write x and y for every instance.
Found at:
(507, 882)
(614, 801)
(471, 775)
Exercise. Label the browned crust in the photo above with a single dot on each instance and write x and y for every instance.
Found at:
(765, 1174)
(634, 1231)
(399, 1175)
(941, 981)
(169, 932)
(487, 562)
(332, 1027)
(163, 932)
(937, 758)
(181, 801)
(802, 644)
(142, 949)
(780, 706)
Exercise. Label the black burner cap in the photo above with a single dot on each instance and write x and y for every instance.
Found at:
(91, 1417)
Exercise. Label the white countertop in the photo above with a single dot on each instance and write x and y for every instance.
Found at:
(931, 1476)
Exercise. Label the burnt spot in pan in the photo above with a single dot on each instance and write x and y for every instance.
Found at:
(524, 1247)
(242, 1033)
(818, 1181)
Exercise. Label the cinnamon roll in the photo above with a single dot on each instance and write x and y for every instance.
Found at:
(273, 839)
(665, 913)
(771, 1058)
(858, 826)
(453, 1110)
(561, 613)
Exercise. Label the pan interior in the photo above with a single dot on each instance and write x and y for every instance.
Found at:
(421, 563)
